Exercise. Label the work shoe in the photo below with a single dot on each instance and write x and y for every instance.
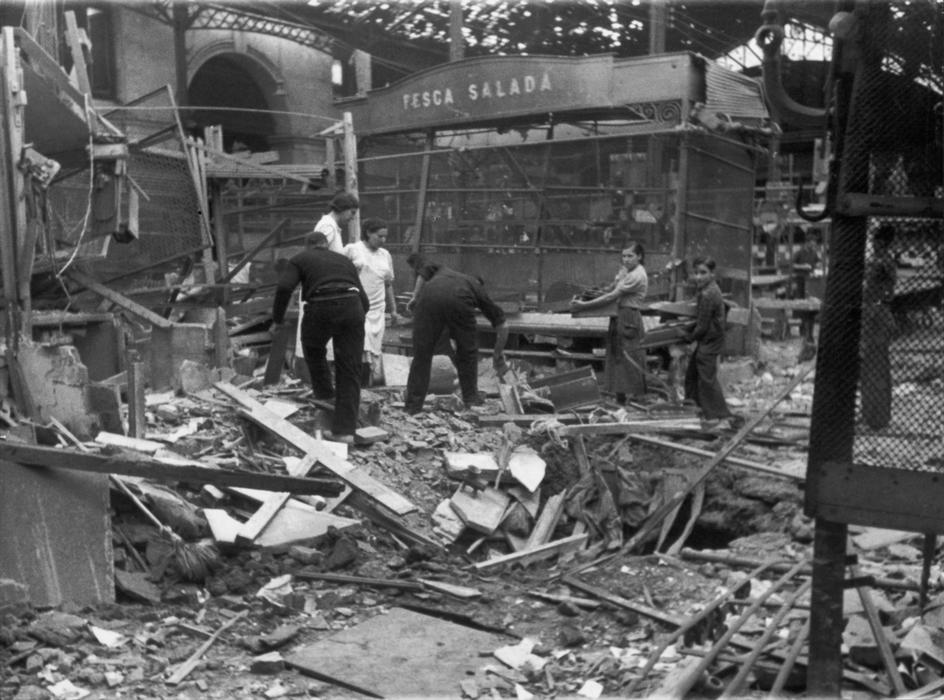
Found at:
(736, 422)
(347, 439)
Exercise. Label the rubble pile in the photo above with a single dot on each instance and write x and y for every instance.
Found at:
(522, 531)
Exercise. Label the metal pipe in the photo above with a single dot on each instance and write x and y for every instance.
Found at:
(695, 620)
(734, 687)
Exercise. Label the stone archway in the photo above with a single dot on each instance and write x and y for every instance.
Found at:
(246, 93)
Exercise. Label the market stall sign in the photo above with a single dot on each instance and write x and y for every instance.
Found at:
(487, 89)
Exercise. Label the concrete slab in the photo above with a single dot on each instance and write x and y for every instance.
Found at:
(171, 346)
(55, 534)
(402, 654)
(58, 384)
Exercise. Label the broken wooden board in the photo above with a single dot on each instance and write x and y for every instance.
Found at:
(34, 455)
(526, 419)
(291, 433)
(399, 654)
(119, 299)
(565, 390)
(638, 426)
(451, 589)
(273, 503)
(482, 510)
(544, 527)
(529, 556)
(458, 464)
(128, 443)
(446, 522)
(508, 393)
(619, 601)
(294, 522)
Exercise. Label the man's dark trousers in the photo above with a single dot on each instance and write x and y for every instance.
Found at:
(434, 313)
(340, 319)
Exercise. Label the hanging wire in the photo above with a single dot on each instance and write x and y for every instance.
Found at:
(91, 189)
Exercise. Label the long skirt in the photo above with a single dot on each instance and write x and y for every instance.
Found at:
(625, 371)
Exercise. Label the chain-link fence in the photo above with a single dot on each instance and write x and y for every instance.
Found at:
(882, 398)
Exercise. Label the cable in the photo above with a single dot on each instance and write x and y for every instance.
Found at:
(89, 118)
(138, 108)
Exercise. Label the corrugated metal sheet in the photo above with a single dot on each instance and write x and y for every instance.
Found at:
(733, 94)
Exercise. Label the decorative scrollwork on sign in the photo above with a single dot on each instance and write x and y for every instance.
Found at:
(662, 113)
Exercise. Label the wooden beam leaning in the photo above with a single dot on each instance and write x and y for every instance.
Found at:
(119, 299)
(247, 258)
(36, 456)
(294, 435)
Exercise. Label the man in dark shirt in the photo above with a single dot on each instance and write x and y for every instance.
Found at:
(448, 301)
(335, 306)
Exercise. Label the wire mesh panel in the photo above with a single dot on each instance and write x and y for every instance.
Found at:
(877, 444)
(900, 408)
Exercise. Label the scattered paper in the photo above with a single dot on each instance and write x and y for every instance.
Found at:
(66, 690)
(591, 689)
(522, 694)
(107, 638)
(276, 590)
(519, 656)
(527, 467)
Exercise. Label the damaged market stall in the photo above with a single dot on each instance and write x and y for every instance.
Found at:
(531, 171)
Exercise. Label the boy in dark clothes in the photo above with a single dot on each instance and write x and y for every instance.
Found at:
(701, 378)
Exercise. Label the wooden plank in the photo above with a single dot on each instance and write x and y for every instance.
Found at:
(510, 400)
(36, 456)
(119, 299)
(881, 641)
(640, 426)
(279, 343)
(184, 669)
(736, 461)
(74, 38)
(525, 419)
(401, 584)
(136, 399)
(529, 556)
(619, 601)
(483, 510)
(253, 527)
(464, 592)
(309, 445)
(128, 443)
(248, 257)
(298, 522)
(544, 527)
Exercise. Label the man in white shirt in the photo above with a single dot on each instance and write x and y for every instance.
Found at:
(342, 209)
(375, 268)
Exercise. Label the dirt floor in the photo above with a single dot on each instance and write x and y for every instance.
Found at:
(583, 623)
